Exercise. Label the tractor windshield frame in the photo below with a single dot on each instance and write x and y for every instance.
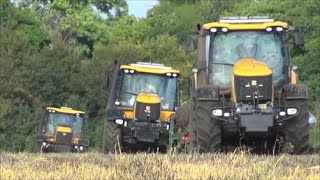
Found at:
(74, 121)
(223, 49)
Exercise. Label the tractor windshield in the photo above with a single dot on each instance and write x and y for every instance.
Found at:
(162, 85)
(224, 49)
(62, 119)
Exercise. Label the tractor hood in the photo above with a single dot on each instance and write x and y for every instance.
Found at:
(251, 67)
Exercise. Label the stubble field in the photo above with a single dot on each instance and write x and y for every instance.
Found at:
(238, 165)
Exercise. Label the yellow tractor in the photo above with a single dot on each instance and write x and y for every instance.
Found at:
(61, 130)
(142, 98)
(245, 89)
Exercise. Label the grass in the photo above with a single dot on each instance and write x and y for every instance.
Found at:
(238, 165)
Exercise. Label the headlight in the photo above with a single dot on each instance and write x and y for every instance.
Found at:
(44, 143)
(226, 114)
(217, 112)
(268, 29)
(81, 148)
(292, 111)
(76, 147)
(224, 29)
(279, 28)
(213, 29)
(282, 113)
(119, 121)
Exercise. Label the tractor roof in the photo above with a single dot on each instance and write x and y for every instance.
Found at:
(152, 68)
(66, 110)
(245, 23)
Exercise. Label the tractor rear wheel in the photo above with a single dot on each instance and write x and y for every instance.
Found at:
(204, 130)
(181, 116)
(112, 137)
(297, 130)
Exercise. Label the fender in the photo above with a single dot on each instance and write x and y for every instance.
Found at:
(114, 113)
(207, 92)
(295, 91)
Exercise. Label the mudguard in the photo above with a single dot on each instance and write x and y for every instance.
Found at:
(295, 91)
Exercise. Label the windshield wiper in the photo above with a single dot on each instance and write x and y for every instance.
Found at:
(132, 93)
(221, 63)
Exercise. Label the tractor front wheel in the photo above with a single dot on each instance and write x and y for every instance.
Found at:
(111, 137)
(204, 130)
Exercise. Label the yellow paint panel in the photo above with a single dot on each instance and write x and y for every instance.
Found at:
(293, 77)
(75, 140)
(65, 110)
(150, 70)
(150, 98)
(243, 26)
(128, 114)
(64, 129)
(164, 115)
(250, 67)
(262, 106)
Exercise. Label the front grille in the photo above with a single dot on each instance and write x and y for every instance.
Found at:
(246, 88)
(63, 137)
(143, 109)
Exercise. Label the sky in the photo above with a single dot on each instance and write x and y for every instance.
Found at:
(139, 8)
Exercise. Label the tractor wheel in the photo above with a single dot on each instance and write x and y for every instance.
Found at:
(111, 137)
(36, 148)
(297, 130)
(182, 116)
(205, 132)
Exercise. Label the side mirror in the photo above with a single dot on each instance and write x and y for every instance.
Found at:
(294, 68)
(299, 38)
(106, 83)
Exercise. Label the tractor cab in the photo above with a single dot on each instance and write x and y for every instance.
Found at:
(247, 41)
(62, 129)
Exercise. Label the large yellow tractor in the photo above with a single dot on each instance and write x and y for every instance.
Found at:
(61, 130)
(245, 88)
(142, 98)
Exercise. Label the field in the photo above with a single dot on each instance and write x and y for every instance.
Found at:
(238, 165)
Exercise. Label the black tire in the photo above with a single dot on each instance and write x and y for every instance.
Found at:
(112, 137)
(205, 131)
(181, 117)
(297, 130)
(36, 148)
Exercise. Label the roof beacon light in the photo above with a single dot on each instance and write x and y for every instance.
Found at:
(150, 65)
(246, 19)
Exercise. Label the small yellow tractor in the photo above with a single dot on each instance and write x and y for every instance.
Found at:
(61, 130)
